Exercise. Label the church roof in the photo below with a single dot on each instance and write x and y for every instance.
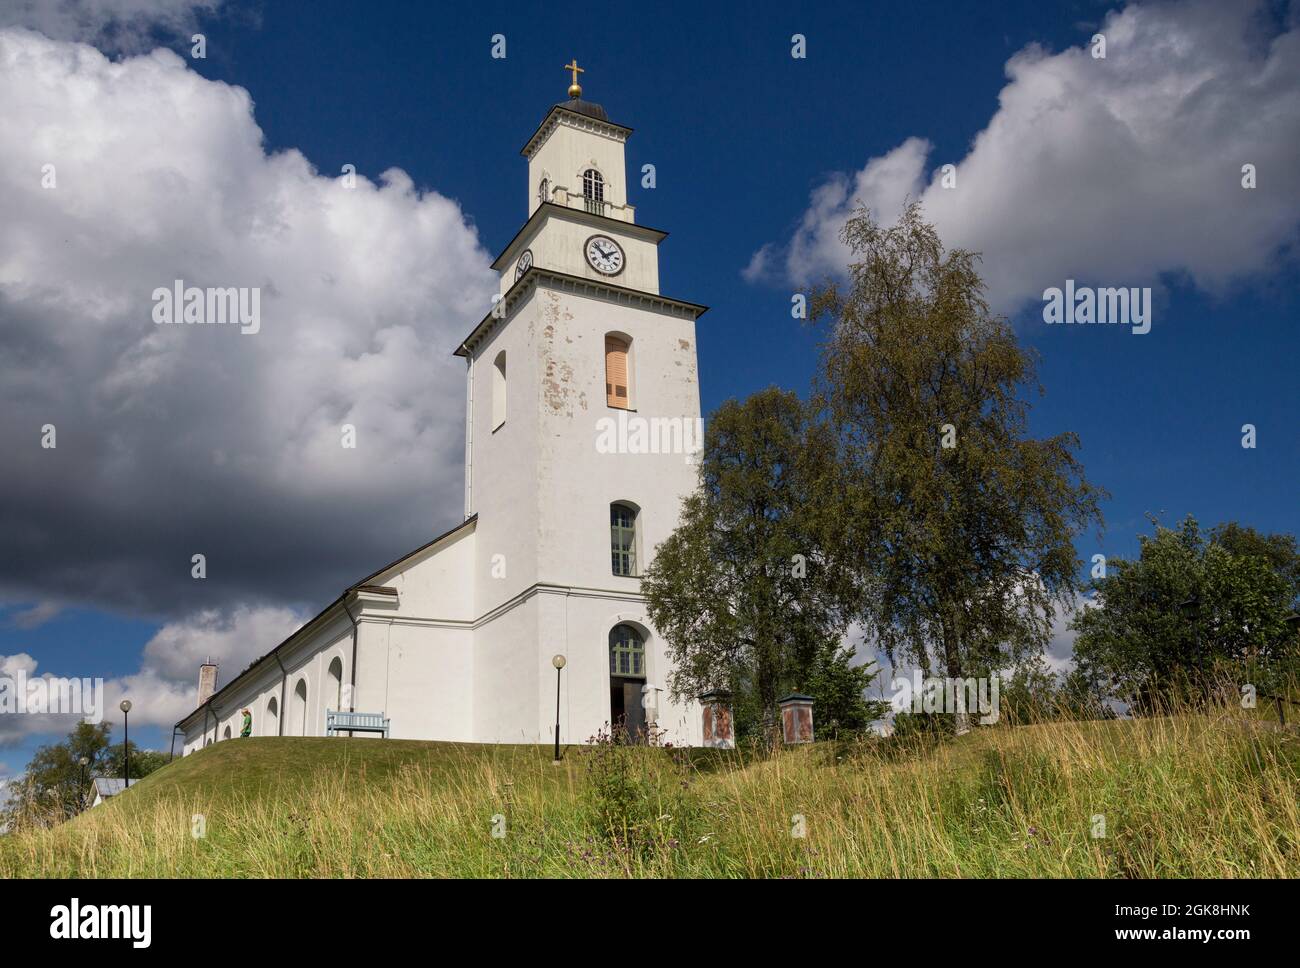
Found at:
(578, 106)
(584, 109)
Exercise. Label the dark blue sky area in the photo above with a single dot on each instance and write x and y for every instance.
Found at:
(740, 133)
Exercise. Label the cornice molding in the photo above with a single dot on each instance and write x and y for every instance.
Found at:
(548, 210)
(560, 115)
(536, 278)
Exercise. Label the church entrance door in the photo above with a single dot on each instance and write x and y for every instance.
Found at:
(626, 677)
(626, 712)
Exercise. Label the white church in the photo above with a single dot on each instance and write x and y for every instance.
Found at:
(459, 640)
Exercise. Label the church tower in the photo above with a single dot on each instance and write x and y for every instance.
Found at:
(582, 427)
(582, 422)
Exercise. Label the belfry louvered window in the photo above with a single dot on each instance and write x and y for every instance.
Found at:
(622, 539)
(593, 192)
(616, 394)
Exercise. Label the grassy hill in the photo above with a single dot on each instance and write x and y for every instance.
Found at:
(1185, 796)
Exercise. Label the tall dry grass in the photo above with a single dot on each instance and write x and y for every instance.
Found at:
(1190, 794)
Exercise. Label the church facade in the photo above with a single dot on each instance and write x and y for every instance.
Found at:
(581, 421)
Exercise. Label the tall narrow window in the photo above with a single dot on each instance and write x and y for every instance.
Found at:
(622, 539)
(335, 679)
(499, 390)
(616, 382)
(299, 720)
(544, 190)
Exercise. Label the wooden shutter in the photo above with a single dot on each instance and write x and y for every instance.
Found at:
(616, 372)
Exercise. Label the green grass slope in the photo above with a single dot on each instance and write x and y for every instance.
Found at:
(1184, 796)
(281, 767)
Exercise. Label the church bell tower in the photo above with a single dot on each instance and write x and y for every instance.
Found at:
(582, 422)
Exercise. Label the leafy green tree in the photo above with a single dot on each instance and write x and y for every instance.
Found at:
(958, 526)
(1029, 694)
(1080, 697)
(1279, 550)
(56, 783)
(1187, 611)
(143, 762)
(739, 591)
(1033, 693)
(838, 688)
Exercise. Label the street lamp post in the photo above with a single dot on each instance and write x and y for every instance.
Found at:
(558, 662)
(81, 793)
(125, 706)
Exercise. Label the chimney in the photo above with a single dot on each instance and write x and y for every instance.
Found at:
(207, 681)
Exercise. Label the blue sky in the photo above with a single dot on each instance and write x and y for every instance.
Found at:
(749, 145)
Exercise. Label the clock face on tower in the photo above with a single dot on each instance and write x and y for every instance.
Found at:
(604, 255)
(524, 264)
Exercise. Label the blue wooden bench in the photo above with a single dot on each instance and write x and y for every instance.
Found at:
(337, 722)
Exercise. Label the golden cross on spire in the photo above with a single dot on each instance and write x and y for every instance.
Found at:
(575, 89)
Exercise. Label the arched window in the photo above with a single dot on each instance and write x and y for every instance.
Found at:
(626, 652)
(622, 539)
(335, 678)
(225, 733)
(273, 717)
(499, 390)
(616, 371)
(299, 718)
(544, 191)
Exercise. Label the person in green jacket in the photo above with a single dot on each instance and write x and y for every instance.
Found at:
(247, 729)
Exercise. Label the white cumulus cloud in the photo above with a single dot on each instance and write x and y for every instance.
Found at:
(166, 686)
(117, 25)
(121, 177)
(1117, 169)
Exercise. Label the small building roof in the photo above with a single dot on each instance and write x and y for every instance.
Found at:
(110, 786)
